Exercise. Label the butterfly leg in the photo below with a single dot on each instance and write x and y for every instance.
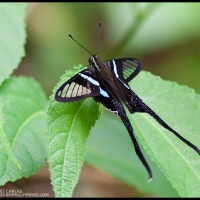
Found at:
(122, 114)
(140, 106)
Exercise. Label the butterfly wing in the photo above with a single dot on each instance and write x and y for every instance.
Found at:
(106, 100)
(125, 69)
(81, 86)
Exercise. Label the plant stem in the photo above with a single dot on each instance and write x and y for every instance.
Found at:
(140, 18)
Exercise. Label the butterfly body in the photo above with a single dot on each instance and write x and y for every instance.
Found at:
(103, 81)
(113, 84)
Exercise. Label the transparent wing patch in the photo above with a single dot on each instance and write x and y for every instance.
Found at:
(125, 68)
(81, 86)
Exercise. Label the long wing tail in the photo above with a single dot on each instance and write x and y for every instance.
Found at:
(122, 114)
(138, 105)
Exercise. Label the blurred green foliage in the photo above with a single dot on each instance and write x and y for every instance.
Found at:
(22, 102)
(164, 36)
(167, 42)
(68, 126)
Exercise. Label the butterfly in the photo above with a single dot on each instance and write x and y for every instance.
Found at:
(108, 83)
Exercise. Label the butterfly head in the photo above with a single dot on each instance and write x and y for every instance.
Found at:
(93, 59)
(95, 62)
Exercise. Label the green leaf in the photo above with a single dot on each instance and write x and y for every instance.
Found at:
(4, 144)
(23, 141)
(12, 37)
(68, 127)
(179, 106)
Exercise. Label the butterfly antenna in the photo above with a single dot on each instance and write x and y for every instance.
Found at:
(80, 44)
(98, 37)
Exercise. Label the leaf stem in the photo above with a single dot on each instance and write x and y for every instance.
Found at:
(133, 29)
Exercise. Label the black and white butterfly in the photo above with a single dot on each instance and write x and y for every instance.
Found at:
(108, 83)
